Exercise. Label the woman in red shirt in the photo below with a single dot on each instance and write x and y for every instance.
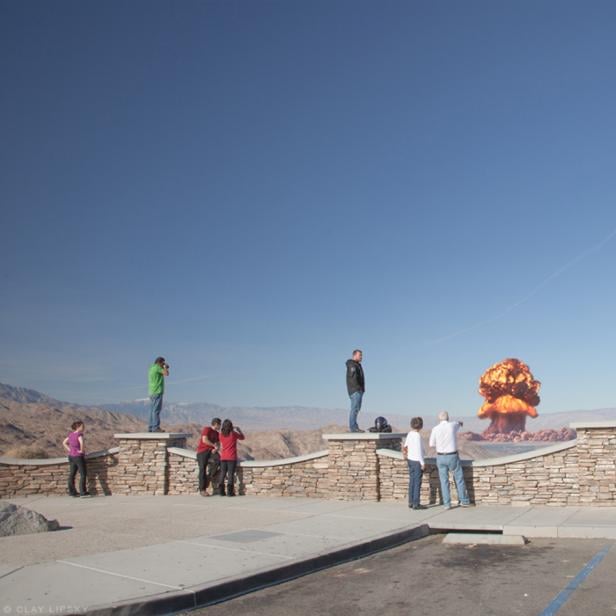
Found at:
(228, 438)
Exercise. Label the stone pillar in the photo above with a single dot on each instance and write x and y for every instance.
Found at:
(354, 465)
(143, 462)
(596, 449)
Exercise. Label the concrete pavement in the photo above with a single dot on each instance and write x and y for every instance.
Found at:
(160, 554)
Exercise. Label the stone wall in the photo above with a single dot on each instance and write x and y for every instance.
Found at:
(144, 462)
(50, 476)
(544, 477)
(300, 476)
(356, 467)
(597, 462)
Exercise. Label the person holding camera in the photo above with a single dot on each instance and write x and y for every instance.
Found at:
(156, 387)
(228, 438)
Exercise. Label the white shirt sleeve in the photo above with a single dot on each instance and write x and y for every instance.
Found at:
(422, 453)
(432, 438)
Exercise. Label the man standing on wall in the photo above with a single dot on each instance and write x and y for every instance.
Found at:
(156, 387)
(356, 387)
(443, 438)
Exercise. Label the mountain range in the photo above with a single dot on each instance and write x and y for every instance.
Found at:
(39, 423)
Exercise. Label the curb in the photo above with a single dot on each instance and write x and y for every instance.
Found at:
(203, 596)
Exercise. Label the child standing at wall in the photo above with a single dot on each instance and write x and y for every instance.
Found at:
(228, 455)
(73, 444)
(414, 453)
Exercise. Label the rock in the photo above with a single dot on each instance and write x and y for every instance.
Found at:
(16, 520)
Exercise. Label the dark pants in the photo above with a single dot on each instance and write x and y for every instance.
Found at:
(415, 474)
(77, 463)
(203, 459)
(228, 470)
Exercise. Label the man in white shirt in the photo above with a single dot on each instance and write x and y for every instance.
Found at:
(443, 439)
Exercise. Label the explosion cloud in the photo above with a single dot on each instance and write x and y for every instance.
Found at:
(511, 395)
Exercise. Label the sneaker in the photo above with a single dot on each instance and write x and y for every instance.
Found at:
(466, 505)
(446, 507)
(73, 494)
(419, 507)
(203, 493)
(85, 495)
(358, 430)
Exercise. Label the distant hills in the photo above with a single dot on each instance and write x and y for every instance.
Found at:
(33, 424)
(31, 419)
(306, 418)
(250, 418)
(36, 421)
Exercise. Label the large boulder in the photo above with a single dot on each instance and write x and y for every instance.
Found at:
(16, 520)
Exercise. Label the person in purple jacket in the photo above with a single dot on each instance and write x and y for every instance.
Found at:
(73, 444)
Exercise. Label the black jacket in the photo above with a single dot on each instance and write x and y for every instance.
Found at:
(354, 377)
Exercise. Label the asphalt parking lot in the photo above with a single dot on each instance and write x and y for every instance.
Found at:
(567, 577)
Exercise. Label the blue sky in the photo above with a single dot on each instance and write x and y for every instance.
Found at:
(253, 189)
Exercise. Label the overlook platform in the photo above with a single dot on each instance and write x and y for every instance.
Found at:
(152, 555)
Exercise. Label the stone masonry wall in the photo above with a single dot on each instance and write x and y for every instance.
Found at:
(309, 478)
(183, 474)
(143, 465)
(25, 478)
(354, 465)
(597, 465)
(544, 480)
(550, 479)
(395, 480)
(305, 478)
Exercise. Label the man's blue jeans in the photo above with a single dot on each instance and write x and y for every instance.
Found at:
(156, 404)
(444, 464)
(415, 474)
(356, 397)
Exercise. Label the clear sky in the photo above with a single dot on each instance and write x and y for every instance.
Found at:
(254, 188)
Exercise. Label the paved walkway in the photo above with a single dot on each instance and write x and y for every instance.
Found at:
(156, 555)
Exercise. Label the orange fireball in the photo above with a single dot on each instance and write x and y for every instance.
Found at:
(511, 395)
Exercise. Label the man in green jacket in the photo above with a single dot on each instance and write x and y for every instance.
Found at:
(156, 387)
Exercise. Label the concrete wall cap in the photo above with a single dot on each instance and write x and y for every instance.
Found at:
(189, 453)
(52, 461)
(518, 457)
(582, 425)
(527, 455)
(184, 453)
(365, 436)
(145, 436)
(398, 455)
(284, 461)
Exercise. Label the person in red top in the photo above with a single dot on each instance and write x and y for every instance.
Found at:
(229, 437)
(208, 444)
